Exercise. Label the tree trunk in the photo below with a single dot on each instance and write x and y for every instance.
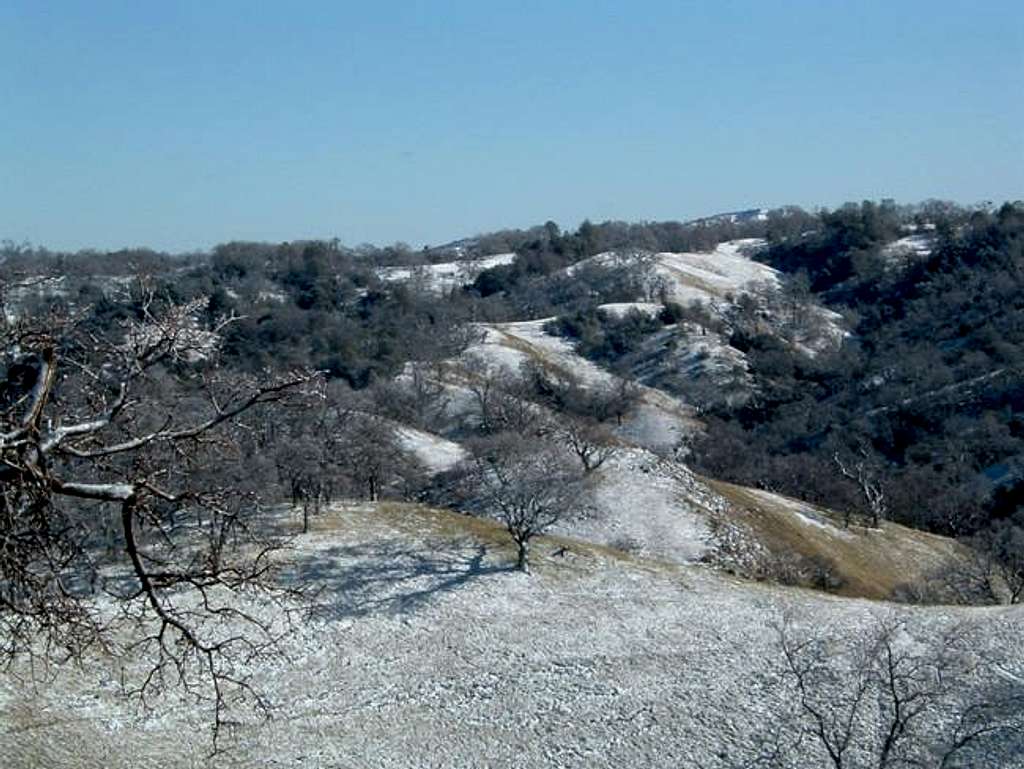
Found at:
(585, 459)
(523, 564)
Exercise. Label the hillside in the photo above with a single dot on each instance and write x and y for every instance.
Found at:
(688, 277)
(442, 277)
(848, 560)
(425, 650)
(926, 389)
(644, 500)
(695, 482)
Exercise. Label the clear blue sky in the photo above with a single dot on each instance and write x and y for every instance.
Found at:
(183, 124)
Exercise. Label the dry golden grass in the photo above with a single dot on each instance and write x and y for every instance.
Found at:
(532, 351)
(870, 562)
(447, 528)
(687, 279)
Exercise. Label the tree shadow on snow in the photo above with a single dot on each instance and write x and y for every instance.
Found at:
(386, 578)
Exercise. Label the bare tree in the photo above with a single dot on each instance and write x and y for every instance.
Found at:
(311, 462)
(427, 394)
(999, 557)
(887, 699)
(525, 483)
(341, 447)
(861, 467)
(563, 391)
(302, 469)
(502, 398)
(140, 419)
(591, 442)
(484, 382)
(621, 398)
(375, 458)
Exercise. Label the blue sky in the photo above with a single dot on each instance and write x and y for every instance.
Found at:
(179, 125)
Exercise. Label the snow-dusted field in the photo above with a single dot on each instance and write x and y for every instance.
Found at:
(649, 506)
(426, 651)
(434, 452)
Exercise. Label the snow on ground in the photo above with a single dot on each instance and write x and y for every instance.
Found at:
(278, 297)
(686, 277)
(701, 352)
(833, 331)
(434, 452)
(619, 309)
(446, 275)
(510, 344)
(658, 422)
(711, 276)
(717, 372)
(648, 505)
(911, 247)
(729, 270)
(499, 348)
(427, 651)
(802, 512)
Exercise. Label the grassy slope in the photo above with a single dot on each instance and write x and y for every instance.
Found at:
(871, 562)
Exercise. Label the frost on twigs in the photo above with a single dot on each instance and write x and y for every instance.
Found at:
(885, 697)
(177, 334)
(124, 478)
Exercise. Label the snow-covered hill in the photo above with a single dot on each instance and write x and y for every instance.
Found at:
(711, 277)
(645, 500)
(716, 279)
(688, 277)
(426, 650)
(658, 422)
(647, 505)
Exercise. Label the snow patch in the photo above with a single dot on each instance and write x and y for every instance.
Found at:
(801, 511)
(915, 246)
(444, 276)
(621, 309)
(641, 502)
(435, 453)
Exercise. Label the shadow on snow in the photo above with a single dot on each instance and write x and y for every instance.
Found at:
(386, 578)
